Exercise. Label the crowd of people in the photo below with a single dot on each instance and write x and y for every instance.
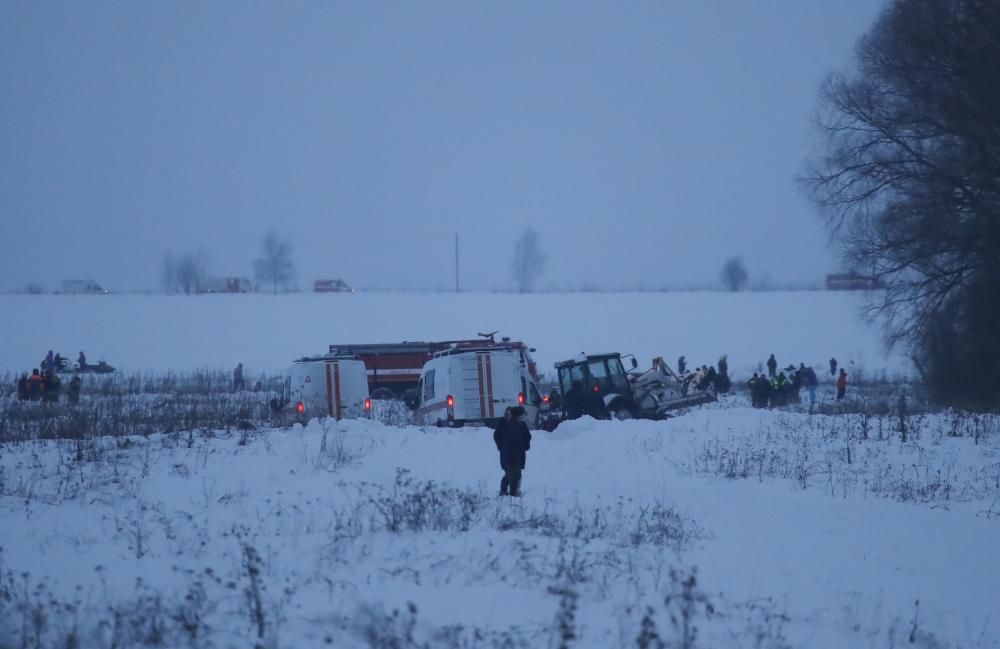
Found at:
(44, 384)
(779, 388)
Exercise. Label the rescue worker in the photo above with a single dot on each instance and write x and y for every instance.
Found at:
(781, 388)
(238, 382)
(74, 390)
(682, 365)
(22, 387)
(766, 394)
(50, 387)
(841, 384)
(575, 403)
(833, 366)
(772, 367)
(810, 381)
(47, 363)
(513, 439)
(754, 390)
(722, 383)
(81, 361)
(34, 386)
(59, 362)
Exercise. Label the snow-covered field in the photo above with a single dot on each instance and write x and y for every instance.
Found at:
(140, 332)
(799, 532)
(725, 527)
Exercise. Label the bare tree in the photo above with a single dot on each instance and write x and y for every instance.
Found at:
(275, 265)
(734, 274)
(909, 182)
(189, 271)
(528, 261)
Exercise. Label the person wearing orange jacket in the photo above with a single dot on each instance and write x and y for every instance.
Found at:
(841, 384)
(34, 386)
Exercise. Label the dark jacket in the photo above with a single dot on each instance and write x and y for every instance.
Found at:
(35, 387)
(513, 439)
(575, 403)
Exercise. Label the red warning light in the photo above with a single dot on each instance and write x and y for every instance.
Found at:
(299, 408)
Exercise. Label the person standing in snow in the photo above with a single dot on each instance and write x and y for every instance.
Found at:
(575, 401)
(50, 387)
(772, 367)
(841, 384)
(22, 387)
(74, 390)
(513, 439)
(722, 383)
(754, 385)
(34, 386)
(810, 380)
(681, 365)
(238, 382)
(47, 362)
(81, 361)
(833, 367)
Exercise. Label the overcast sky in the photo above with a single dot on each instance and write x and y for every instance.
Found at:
(643, 140)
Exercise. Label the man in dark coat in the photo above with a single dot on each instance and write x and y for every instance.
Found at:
(238, 382)
(833, 366)
(575, 401)
(51, 386)
(754, 385)
(34, 386)
(74, 390)
(513, 439)
(682, 365)
(22, 387)
(772, 367)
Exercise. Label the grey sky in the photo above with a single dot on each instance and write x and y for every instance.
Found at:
(642, 139)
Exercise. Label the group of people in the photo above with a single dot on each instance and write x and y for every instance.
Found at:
(779, 388)
(46, 386)
(706, 376)
(57, 362)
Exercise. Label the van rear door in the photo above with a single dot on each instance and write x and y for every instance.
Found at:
(504, 381)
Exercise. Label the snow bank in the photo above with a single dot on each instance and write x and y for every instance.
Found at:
(265, 332)
(342, 524)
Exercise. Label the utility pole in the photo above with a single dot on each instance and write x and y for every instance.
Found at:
(456, 264)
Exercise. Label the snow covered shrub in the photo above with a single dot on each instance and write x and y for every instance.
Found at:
(418, 506)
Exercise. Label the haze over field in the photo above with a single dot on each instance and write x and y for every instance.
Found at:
(646, 142)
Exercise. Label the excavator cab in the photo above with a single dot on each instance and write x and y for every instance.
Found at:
(602, 373)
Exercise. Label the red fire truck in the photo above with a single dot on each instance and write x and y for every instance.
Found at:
(394, 368)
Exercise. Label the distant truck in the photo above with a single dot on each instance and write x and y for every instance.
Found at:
(325, 386)
(394, 368)
(83, 287)
(331, 286)
(475, 386)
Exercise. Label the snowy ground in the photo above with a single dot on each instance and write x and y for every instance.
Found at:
(820, 531)
(265, 332)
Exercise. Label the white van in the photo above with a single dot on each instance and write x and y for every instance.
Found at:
(464, 386)
(327, 386)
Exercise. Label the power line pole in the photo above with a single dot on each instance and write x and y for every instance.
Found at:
(456, 264)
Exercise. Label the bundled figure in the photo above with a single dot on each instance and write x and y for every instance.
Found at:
(772, 367)
(833, 366)
(22, 387)
(810, 381)
(755, 391)
(722, 382)
(73, 394)
(513, 439)
(841, 384)
(50, 387)
(681, 365)
(238, 382)
(34, 386)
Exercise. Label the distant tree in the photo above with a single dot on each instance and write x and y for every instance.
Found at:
(734, 274)
(190, 270)
(528, 261)
(909, 182)
(275, 266)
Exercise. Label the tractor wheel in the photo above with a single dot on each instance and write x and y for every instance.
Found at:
(620, 411)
